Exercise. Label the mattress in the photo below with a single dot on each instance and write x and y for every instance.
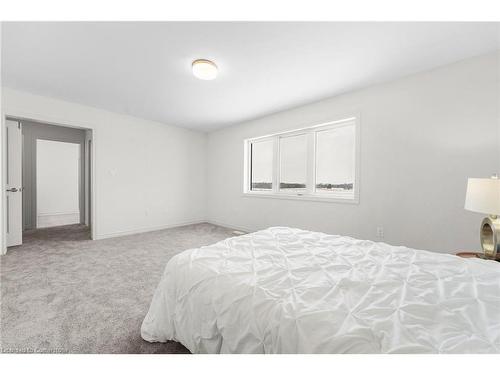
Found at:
(285, 290)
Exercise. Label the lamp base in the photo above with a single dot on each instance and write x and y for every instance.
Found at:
(490, 237)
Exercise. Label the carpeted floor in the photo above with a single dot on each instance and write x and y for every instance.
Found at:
(62, 293)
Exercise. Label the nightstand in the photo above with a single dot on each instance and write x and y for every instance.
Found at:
(471, 254)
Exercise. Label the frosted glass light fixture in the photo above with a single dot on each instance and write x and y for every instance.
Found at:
(204, 69)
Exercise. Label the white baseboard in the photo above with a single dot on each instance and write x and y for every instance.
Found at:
(147, 229)
(230, 226)
(168, 226)
(57, 219)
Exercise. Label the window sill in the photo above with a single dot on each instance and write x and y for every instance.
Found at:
(313, 198)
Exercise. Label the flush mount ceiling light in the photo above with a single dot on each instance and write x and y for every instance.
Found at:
(204, 69)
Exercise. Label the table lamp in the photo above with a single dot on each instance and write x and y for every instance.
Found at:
(483, 195)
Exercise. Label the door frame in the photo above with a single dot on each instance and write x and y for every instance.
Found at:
(34, 132)
(36, 117)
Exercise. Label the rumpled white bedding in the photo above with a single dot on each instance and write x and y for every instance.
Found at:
(284, 290)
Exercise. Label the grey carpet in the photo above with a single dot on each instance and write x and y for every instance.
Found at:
(62, 293)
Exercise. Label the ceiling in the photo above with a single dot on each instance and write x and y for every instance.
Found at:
(144, 68)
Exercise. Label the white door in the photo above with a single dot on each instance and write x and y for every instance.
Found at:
(14, 199)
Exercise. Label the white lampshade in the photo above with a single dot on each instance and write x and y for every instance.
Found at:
(483, 195)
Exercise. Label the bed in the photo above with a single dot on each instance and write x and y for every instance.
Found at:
(285, 290)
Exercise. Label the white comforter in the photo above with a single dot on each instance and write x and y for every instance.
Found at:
(284, 290)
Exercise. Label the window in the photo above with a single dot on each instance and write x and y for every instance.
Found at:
(318, 163)
(335, 160)
(262, 162)
(293, 163)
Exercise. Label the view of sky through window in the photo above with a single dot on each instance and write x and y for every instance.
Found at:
(335, 159)
(262, 165)
(293, 162)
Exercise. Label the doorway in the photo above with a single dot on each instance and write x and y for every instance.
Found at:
(54, 163)
(58, 190)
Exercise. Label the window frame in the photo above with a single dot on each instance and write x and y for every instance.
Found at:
(310, 193)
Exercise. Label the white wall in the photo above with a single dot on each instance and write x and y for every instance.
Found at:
(57, 170)
(148, 175)
(421, 138)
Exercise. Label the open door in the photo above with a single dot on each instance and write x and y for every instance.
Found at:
(14, 193)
